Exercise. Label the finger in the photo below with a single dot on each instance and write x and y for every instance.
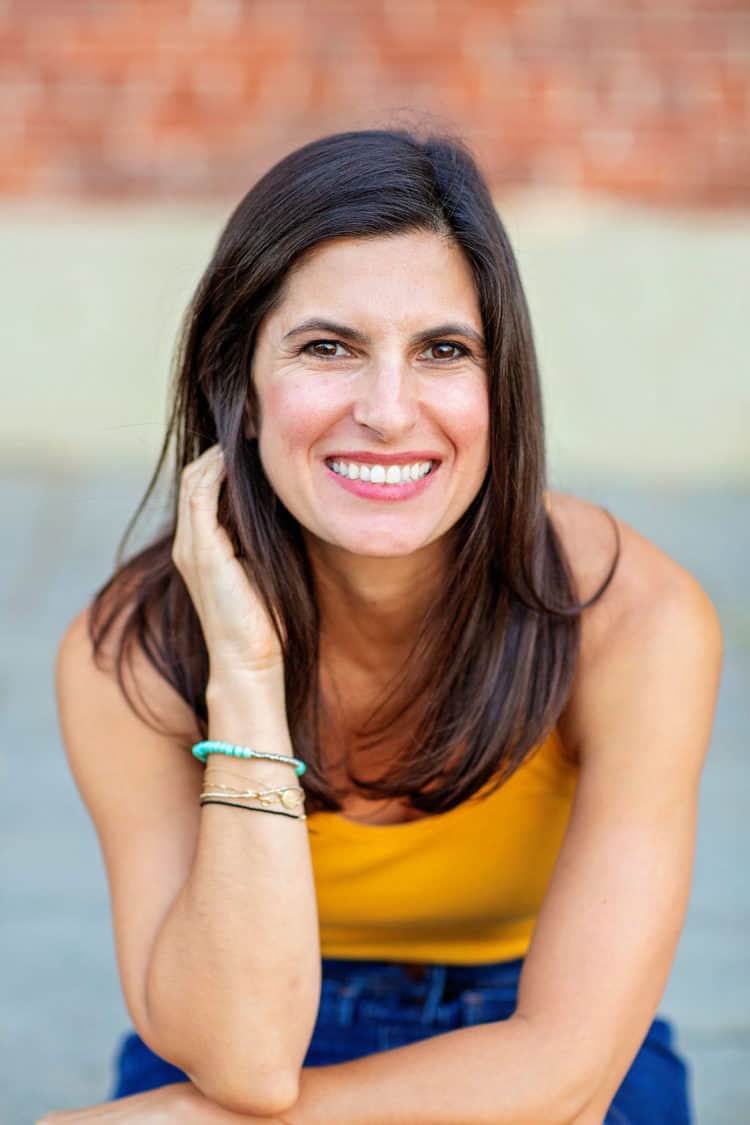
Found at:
(200, 483)
(207, 465)
(207, 537)
(203, 484)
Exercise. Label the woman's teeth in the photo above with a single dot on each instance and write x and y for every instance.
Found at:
(381, 474)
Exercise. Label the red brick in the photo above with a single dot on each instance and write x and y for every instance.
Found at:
(186, 97)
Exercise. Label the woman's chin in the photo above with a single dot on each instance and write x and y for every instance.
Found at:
(371, 544)
(375, 549)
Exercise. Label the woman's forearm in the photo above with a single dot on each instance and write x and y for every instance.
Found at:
(234, 977)
(503, 1073)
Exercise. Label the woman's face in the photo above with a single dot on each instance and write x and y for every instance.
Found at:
(396, 379)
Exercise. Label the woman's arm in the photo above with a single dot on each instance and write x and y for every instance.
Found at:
(214, 908)
(233, 982)
(214, 911)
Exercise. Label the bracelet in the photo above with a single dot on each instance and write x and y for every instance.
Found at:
(209, 746)
(269, 790)
(220, 778)
(290, 796)
(251, 808)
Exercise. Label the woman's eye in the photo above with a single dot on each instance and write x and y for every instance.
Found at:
(448, 344)
(325, 344)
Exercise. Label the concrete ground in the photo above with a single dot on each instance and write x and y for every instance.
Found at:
(61, 1012)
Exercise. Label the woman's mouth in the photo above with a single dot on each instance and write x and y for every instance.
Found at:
(380, 481)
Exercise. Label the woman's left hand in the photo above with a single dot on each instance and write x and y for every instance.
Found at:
(177, 1104)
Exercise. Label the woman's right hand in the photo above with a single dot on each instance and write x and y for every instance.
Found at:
(238, 632)
(179, 1103)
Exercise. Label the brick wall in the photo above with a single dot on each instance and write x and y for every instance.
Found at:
(646, 99)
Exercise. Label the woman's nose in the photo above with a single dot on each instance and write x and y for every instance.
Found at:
(387, 399)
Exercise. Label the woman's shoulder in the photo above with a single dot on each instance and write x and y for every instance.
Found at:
(644, 574)
(646, 591)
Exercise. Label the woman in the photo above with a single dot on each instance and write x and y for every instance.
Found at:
(501, 697)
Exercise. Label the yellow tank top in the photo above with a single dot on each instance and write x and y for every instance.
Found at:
(459, 887)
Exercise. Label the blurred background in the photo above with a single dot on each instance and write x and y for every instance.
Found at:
(616, 138)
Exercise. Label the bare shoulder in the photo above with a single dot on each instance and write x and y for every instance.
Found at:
(647, 582)
(651, 600)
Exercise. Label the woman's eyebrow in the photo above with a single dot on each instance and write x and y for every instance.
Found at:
(318, 324)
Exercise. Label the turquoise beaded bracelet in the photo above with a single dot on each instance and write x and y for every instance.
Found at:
(202, 749)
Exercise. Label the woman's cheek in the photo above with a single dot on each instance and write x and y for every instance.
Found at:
(298, 413)
(463, 407)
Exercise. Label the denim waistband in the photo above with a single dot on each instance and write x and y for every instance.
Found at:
(491, 974)
(440, 982)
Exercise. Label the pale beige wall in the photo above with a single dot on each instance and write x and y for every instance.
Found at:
(640, 320)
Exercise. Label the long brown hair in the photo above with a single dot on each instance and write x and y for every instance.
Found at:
(492, 663)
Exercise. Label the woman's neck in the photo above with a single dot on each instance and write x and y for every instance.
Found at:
(371, 609)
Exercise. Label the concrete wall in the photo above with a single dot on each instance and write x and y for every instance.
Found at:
(640, 320)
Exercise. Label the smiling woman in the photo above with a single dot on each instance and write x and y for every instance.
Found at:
(493, 702)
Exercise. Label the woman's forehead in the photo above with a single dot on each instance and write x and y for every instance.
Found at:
(406, 278)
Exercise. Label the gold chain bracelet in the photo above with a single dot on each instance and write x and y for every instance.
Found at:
(290, 796)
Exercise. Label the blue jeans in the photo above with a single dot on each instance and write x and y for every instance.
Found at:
(370, 1006)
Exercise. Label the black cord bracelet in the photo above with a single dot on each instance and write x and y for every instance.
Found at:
(251, 808)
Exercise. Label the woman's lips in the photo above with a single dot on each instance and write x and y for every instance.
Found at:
(389, 492)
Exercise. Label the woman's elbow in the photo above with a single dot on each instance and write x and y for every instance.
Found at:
(250, 1090)
(242, 1082)
(243, 1078)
